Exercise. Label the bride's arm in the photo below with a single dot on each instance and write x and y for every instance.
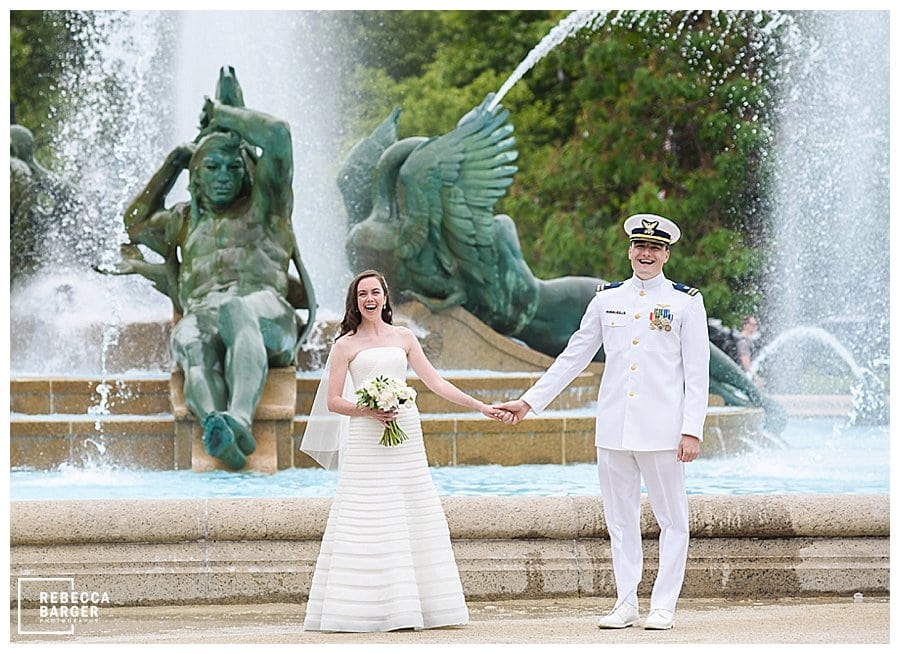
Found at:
(433, 380)
(337, 403)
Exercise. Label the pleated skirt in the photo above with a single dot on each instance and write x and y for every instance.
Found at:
(386, 561)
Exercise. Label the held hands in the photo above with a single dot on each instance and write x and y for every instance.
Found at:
(494, 412)
(510, 412)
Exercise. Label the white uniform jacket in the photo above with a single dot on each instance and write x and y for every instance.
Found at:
(655, 383)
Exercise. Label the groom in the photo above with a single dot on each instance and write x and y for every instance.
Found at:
(650, 411)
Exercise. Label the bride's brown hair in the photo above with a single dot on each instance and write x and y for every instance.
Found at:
(352, 317)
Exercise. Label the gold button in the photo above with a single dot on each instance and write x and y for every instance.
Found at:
(631, 394)
(634, 342)
(642, 294)
(634, 366)
(637, 316)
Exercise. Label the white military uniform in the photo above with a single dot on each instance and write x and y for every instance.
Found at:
(655, 387)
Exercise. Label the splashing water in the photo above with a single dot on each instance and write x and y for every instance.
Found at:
(102, 144)
(571, 24)
(803, 334)
(869, 399)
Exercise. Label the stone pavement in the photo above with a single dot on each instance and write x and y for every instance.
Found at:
(532, 622)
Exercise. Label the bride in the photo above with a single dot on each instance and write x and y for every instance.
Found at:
(385, 562)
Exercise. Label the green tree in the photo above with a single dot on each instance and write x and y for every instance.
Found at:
(41, 45)
(670, 121)
(655, 111)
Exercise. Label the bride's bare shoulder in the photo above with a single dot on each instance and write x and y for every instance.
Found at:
(404, 333)
(409, 340)
(343, 347)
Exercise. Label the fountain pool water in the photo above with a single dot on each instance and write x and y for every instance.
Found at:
(821, 455)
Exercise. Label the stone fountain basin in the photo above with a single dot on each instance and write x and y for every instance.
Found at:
(131, 422)
(156, 552)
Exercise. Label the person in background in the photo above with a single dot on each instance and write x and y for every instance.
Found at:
(746, 347)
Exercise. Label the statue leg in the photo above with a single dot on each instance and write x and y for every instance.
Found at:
(436, 305)
(727, 379)
(199, 354)
(255, 329)
(246, 367)
(556, 309)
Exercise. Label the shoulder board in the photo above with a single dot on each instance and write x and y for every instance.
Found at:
(684, 288)
(605, 287)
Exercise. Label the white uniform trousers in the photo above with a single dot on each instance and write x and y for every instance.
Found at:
(620, 474)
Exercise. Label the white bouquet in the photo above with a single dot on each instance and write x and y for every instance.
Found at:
(386, 393)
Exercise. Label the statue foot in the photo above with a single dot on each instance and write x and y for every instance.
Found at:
(219, 441)
(243, 434)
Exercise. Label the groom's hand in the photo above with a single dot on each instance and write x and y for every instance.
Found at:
(514, 411)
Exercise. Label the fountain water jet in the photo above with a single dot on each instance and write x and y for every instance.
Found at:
(869, 400)
(568, 26)
(831, 191)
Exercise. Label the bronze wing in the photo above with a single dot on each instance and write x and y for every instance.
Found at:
(448, 188)
(355, 177)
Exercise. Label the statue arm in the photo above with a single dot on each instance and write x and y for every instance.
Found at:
(146, 218)
(301, 295)
(275, 168)
(159, 274)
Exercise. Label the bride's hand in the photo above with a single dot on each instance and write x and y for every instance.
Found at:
(384, 417)
(491, 412)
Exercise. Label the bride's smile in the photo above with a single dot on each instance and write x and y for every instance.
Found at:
(370, 297)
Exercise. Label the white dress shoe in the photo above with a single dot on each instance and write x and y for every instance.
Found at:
(660, 619)
(624, 615)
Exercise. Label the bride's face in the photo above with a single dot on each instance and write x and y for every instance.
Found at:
(370, 298)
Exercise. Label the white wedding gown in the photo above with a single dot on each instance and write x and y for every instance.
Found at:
(386, 561)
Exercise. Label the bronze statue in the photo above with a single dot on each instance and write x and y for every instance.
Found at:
(421, 210)
(431, 228)
(24, 216)
(37, 196)
(225, 264)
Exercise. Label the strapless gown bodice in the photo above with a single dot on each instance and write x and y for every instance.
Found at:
(389, 361)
